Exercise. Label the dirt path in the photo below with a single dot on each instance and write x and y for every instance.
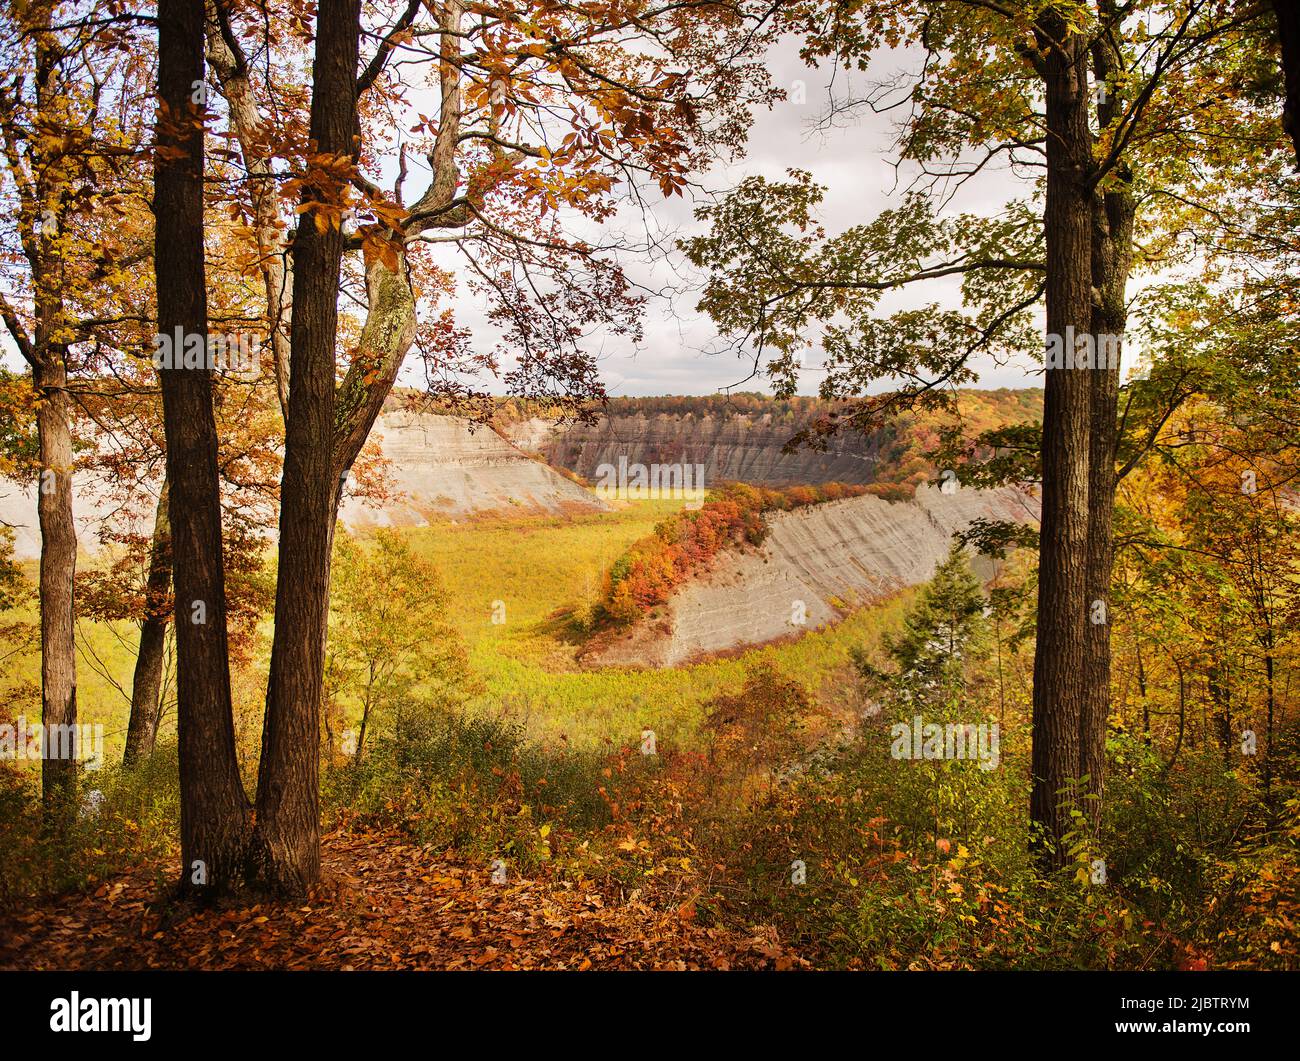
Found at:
(391, 906)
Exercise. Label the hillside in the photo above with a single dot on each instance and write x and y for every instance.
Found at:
(440, 467)
(445, 466)
(816, 563)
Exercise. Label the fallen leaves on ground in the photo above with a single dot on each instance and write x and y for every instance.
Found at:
(390, 905)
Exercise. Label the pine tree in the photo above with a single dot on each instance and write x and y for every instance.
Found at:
(944, 630)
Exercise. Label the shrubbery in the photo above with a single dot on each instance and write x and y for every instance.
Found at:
(133, 819)
(470, 784)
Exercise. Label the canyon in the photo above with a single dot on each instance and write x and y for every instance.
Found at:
(740, 448)
(817, 563)
(449, 467)
(438, 467)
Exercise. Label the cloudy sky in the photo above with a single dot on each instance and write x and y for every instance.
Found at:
(681, 350)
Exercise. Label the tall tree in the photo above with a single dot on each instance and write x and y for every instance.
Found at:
(285, 851)
(1288, 31)
(214, 807)
(1086, 92)
(1113, 211)
(524, 131)
(147, 681)
(1060, 681)
(68, 126)
(43, 181)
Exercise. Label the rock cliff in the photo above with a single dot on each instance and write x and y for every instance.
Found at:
(741, 448)
(443, 466)
(816, 564)
(742, 437)
(440, 469)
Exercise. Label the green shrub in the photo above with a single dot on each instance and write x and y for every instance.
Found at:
(135, 819)
(471, 783)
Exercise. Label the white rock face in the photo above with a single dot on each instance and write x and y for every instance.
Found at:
(90, 510)
(817, 562)
(441, 469)
(531, 434)
(444, 466)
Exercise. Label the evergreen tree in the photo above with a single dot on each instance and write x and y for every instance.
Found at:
(944, 630)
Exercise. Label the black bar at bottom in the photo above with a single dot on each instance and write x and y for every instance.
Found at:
(581, 1011)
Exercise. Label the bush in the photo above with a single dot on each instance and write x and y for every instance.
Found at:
(472, 784)
(136, 820)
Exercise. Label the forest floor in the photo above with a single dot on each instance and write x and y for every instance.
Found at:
(385, 904)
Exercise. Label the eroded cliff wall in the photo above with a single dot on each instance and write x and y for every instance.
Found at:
(439, 466)
(443, 466)
(742, 448)
(742, 437)
(816, 563)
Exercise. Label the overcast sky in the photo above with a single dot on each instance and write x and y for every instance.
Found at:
(679, 354)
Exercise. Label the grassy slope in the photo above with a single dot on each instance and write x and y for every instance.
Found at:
(105, 655)
(534, 566)
(527, 662)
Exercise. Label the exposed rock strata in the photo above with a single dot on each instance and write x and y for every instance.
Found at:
(739, 448)
(441, 469)
(818, 561)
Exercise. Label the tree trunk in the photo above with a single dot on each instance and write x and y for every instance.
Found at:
(1271, 692)
(391, 323)
(1111, 257)
(1112, 210)
(227, 59)
(58, 562)
(365, 723)
(285, 853)
(1288, 31)
(1182, 715)
(57, 572)
(214, 807)
(1219, 686)
(1142, 690)
(146, 686)
(1059, 677)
